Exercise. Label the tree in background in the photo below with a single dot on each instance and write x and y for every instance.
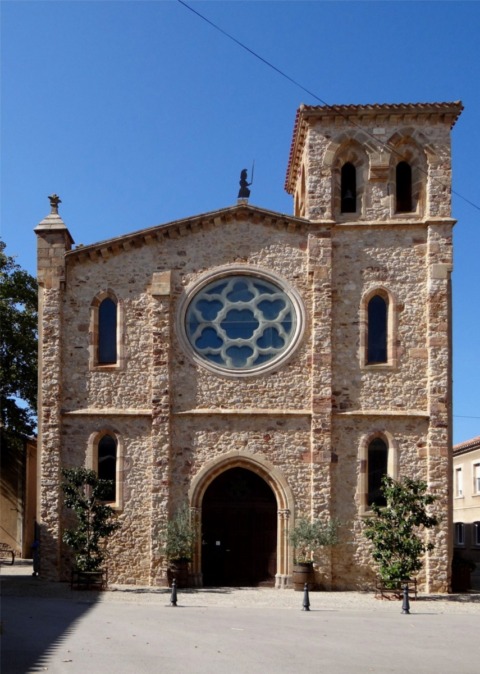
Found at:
(18, 347)
(395, 529)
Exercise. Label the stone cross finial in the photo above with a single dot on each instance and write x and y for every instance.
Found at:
(54, 201)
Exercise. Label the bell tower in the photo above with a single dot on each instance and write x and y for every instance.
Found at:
(374, 182)
(368, 163)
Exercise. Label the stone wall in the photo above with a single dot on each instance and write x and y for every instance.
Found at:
(307, 422)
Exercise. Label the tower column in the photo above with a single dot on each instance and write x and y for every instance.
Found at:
(439, 454)
(320, 456)
(160, 434)
(53, 241)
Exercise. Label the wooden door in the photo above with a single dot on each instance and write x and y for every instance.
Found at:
(239, 531)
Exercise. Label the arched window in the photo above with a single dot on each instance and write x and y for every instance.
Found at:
(377, 468)
(348, 188)
(378, 458)
(403, 187)
(377, 351)
(107, 463)
(107, 332)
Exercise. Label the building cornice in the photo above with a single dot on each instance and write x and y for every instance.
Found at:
(383, 413)
(107, 412)
(254, 411)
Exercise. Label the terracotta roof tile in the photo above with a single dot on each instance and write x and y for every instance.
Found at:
(467, 446)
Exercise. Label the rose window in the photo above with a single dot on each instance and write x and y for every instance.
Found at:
(241, 323)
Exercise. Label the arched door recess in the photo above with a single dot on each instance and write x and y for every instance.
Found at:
(236, 500)
(239, 531)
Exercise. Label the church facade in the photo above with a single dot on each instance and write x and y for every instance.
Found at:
(260, 367)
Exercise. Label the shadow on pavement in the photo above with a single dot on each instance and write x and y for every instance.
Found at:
(471, 597)
(166, 591)
(37, 616)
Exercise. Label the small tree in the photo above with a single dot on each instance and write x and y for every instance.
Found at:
(85, 494)
(179, 536)
(306, 537)
(394, 531)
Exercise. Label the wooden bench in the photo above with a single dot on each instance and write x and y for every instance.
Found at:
(384, 592)
(6, 552)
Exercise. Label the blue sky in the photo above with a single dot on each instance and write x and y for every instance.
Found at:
(139, 112)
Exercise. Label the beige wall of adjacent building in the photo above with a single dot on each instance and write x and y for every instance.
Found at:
(466, 504)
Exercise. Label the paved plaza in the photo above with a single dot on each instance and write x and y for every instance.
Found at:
(130, 630)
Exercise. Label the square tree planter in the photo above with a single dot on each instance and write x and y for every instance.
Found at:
(395, 591)
(89, 580)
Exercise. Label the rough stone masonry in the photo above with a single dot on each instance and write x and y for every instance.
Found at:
(243, 348)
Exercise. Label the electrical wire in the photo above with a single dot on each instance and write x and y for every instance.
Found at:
(317, 98)
(253, 53)
(311, 93)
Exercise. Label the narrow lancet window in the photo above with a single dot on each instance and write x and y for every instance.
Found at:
(348, 188)
(107, 463)
(107, 332)
(377, 469)
(377, 330)
(404, 187)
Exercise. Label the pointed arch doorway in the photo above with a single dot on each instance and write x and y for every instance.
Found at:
(239, 530)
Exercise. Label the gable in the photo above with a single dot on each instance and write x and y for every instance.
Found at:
(186, 227)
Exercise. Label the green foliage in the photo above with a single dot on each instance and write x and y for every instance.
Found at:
(307, 537)
(179, 536)
(394, 531)
(18, 347)
(84, 494)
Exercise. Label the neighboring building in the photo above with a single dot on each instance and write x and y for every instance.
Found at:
(262, 366)
(18, 493)
(466, 504)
